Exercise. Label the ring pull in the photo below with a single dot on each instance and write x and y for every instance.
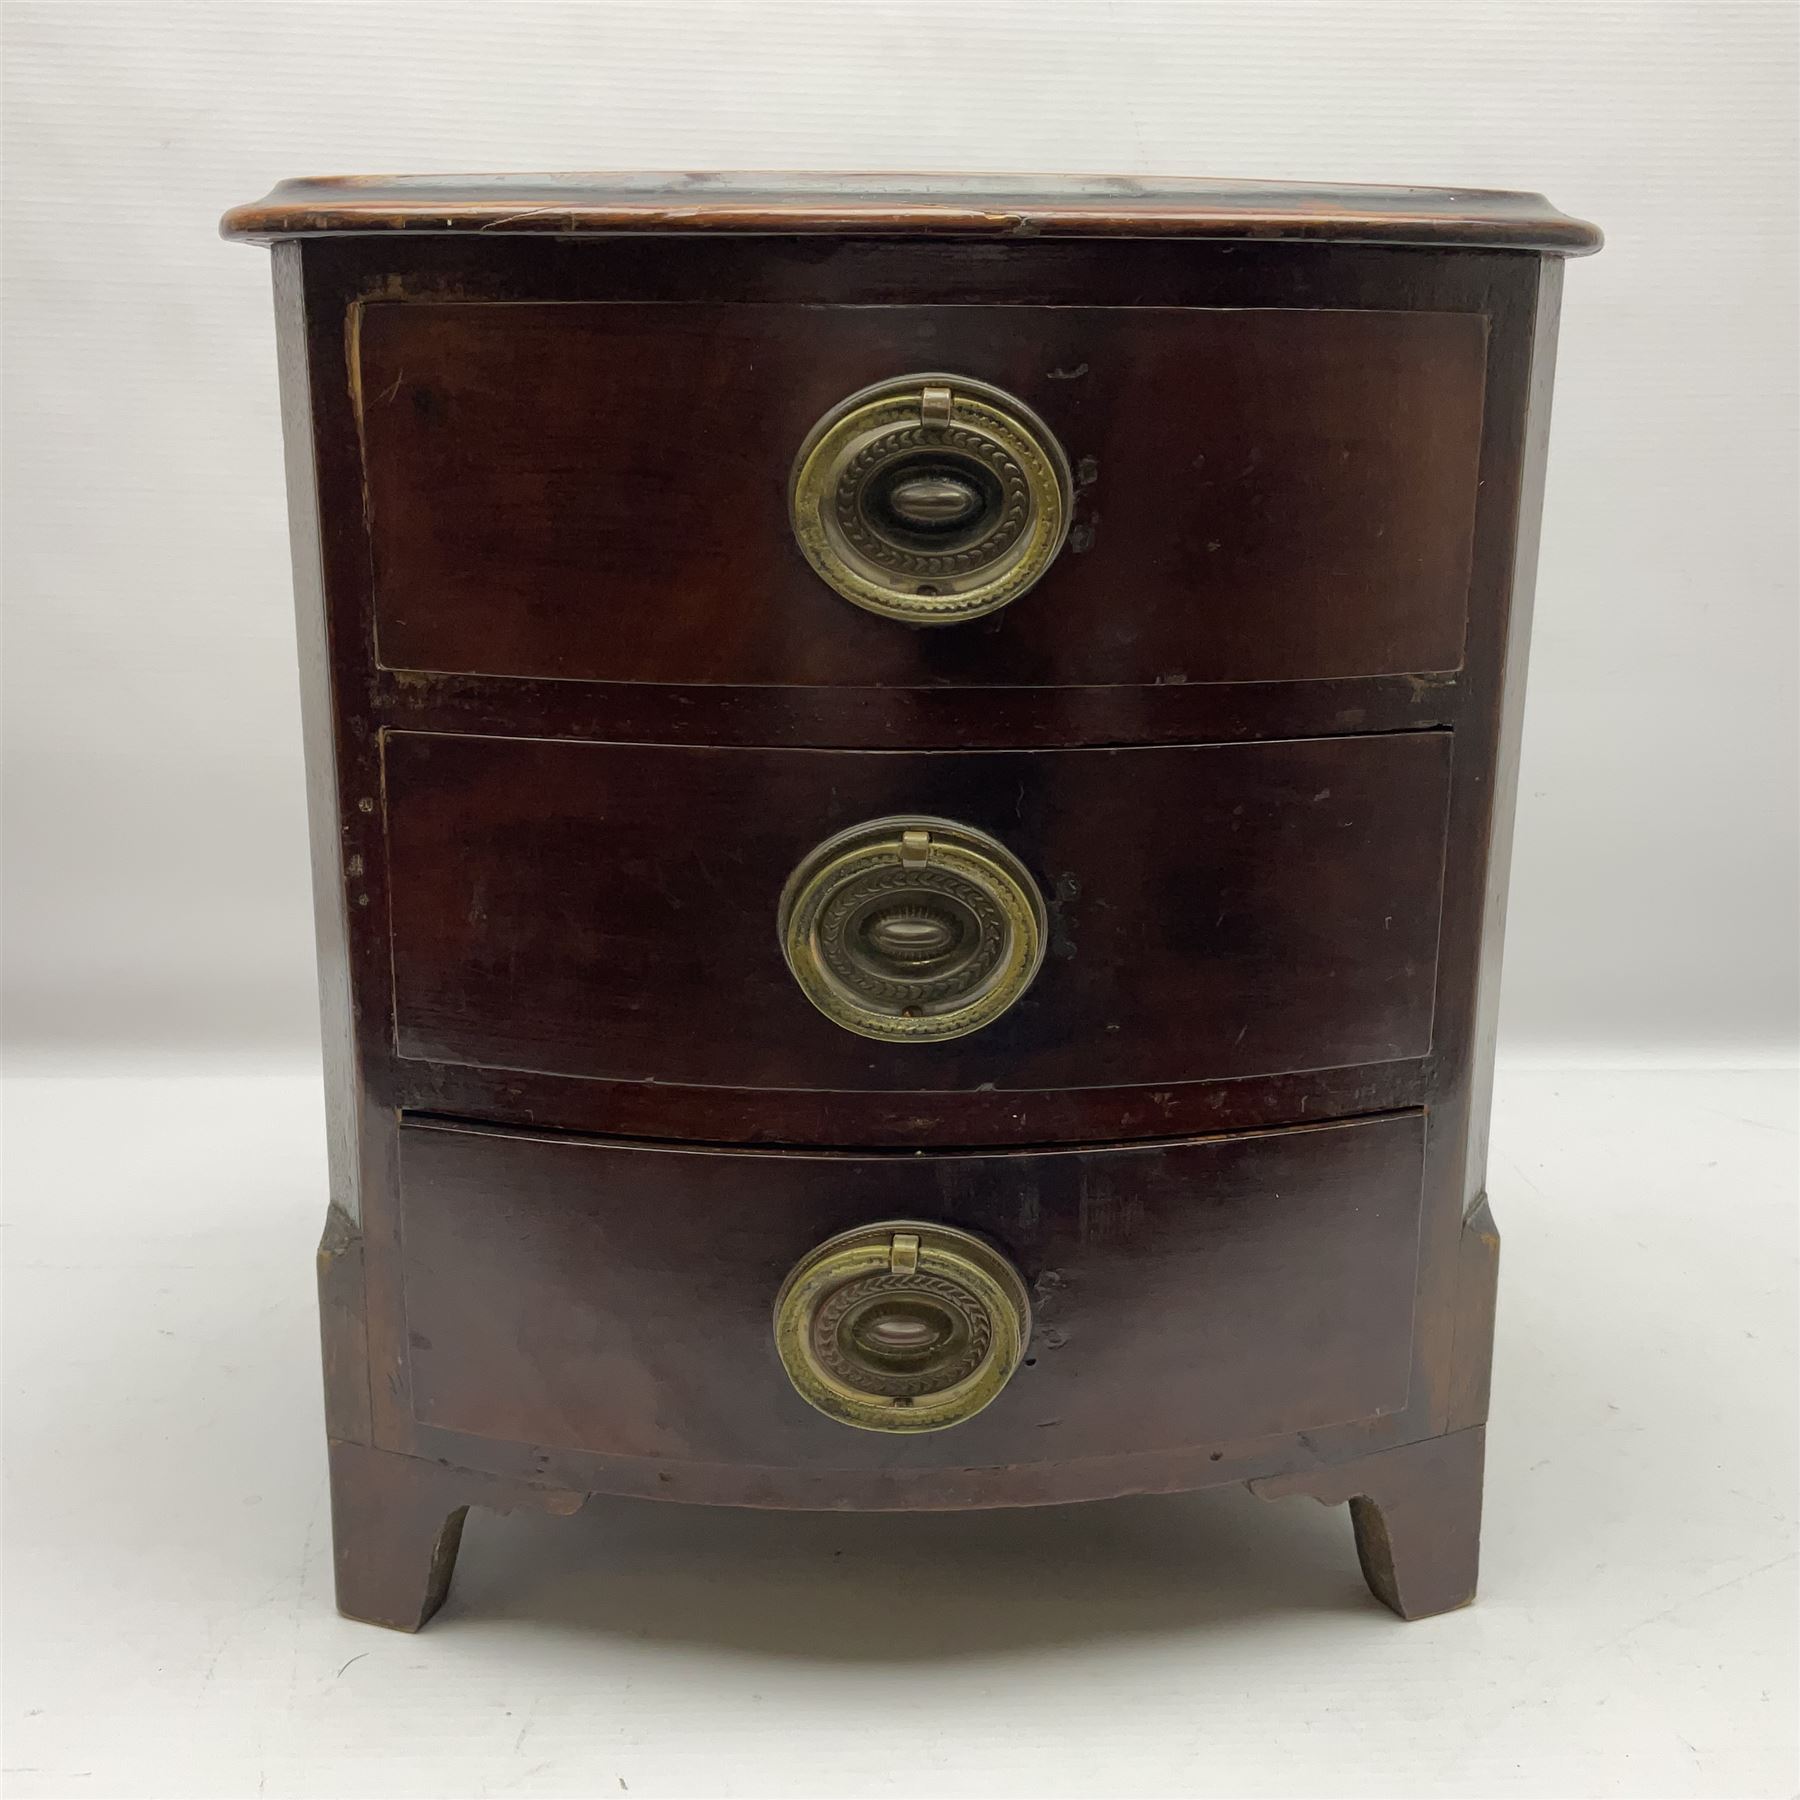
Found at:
(902, 1326)
(931, 498)
(912, 929)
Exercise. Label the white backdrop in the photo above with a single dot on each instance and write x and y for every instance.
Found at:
(156, 867)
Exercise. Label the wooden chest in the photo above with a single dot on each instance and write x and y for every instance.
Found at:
(910, 788)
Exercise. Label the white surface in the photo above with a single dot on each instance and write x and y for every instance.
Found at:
(157, 869)
(168, 1614)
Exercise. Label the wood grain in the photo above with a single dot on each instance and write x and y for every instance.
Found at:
(1217, 911)
(1416, 1510)
(616, 1299)
(994, 206)
(599, 492)
(1420, 765)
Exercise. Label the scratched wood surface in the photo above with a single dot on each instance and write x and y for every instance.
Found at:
(1185, 1295)
(997, 206)
(1261, 495)
(498, 957)
(1216, 912)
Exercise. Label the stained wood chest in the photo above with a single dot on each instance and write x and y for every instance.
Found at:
(910, 787)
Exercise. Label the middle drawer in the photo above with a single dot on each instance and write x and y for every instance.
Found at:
(1209, 911)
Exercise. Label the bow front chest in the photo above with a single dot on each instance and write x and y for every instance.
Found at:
(910, 787)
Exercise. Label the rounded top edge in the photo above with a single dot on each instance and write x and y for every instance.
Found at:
(910, 205)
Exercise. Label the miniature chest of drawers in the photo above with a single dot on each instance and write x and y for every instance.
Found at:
(910, 787)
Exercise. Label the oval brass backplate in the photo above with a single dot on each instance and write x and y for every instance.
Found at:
(931, 498)
(902, 1326)
(912, 929)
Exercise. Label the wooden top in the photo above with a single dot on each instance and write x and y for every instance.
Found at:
(974, 206)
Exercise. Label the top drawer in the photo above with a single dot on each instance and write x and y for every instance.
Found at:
(599, 491)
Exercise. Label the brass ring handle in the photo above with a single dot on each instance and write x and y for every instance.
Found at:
(912, 929)
(931, 498)
(902, 1326)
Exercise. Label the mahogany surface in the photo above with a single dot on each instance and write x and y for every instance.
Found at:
(1007, 206)
(1185, 1295)
(1261, 495)
(561, 756)
(1216, 912)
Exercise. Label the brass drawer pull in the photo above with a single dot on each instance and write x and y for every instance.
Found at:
(931, 498)
(912, 929)
(902, 1326)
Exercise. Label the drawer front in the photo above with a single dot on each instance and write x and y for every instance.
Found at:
(1215, 911)
(617, 1299)
(599, 491)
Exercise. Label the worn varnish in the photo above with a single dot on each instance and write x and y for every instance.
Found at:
(575, 705)
(1187, 1295)
(1261, 495)
(998, 206)
(1216, 912)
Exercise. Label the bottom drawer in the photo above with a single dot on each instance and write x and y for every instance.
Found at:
(617, 1298)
